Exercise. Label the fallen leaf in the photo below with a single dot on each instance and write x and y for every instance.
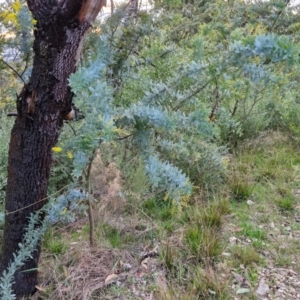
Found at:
(212, 292)
(110, 278)
(144, 263)
(242, 291)
(40, 288)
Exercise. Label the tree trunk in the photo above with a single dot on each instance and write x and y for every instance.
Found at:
(42, 106)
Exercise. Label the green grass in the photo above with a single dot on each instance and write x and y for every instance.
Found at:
(241, 190)
(245, 255)
(252, 231)
(115, 237)
(286, 203)
(158, 208)
(196, 254)
(54, 243)
(205, 243)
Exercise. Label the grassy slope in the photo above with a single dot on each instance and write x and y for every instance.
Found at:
(243, 242)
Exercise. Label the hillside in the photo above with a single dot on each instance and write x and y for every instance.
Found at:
(242, 244)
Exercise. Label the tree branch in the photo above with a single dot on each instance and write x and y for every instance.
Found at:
(25, 68)
(124, 137)
(190, 96)
(14, 70)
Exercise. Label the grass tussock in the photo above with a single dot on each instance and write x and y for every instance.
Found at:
(245, 255)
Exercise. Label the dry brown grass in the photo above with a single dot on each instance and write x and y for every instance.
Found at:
(106, 184)
(82, 272)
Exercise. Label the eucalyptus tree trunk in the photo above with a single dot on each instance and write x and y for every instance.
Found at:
(42, 105)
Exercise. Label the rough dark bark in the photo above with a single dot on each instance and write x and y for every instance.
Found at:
(42, 106)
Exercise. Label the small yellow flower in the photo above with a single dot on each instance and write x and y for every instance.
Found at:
(17, 6)
(64, 211)
(57, 149)
(69, 154)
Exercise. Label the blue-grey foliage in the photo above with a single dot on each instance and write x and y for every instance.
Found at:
(270, 48)
(62, 209)
(142, 120)
(34, 232)
(65, 207)
(164, 175)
